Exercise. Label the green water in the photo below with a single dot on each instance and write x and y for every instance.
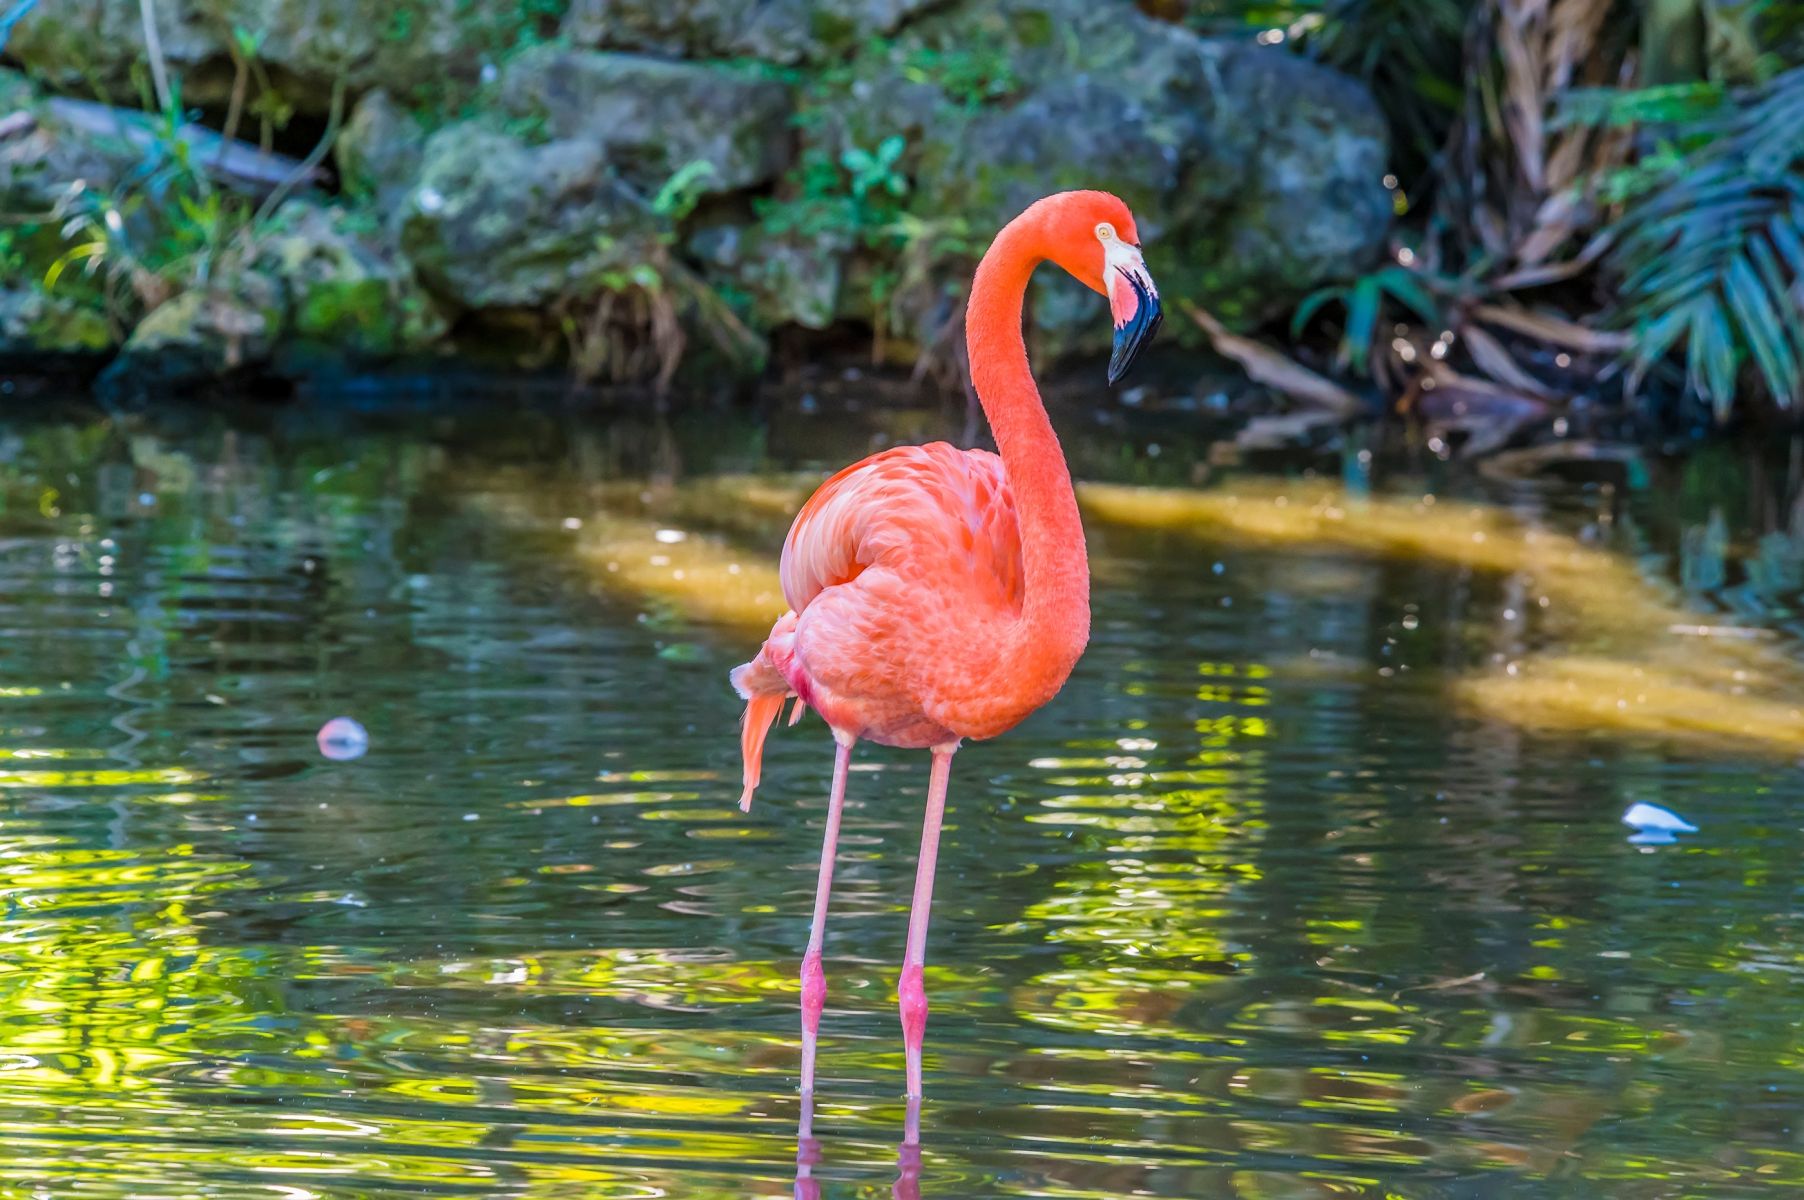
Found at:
(1252, 910)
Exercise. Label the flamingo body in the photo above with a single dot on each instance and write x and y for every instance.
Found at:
(904, 572)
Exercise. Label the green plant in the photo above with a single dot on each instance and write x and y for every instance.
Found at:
(1671, 120)
(13, 262)
(1711, 254)
(679, 195)
(163, 229)
(634, 325)
(972, 76)
(876, 169)
(167, 226)
(1366, 300)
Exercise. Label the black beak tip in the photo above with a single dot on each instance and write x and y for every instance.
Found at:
(1136, 334)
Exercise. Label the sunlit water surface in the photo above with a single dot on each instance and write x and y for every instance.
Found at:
(1254, 909)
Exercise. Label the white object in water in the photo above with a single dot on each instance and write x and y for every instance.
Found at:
(342, 738)
(1653, 818)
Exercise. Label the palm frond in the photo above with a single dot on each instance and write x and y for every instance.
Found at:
(1712, 255)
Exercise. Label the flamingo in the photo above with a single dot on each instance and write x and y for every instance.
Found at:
(937, 594)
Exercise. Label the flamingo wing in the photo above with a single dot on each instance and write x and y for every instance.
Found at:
(911, 541)
(925, 512)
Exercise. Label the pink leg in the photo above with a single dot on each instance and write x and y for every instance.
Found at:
(910, 991)
(814, 979)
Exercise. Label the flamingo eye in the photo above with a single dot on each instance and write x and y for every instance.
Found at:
(1105, 231)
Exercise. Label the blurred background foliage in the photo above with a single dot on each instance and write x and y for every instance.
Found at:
(1631, 165)
(1596, 201)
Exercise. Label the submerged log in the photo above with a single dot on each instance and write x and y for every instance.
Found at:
(235, 164)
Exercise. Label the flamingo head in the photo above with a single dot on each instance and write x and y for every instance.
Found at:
(1092, 235)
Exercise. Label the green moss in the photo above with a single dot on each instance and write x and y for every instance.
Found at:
(971, 76)
(69, 328)
(360, 311)
(1034, 29)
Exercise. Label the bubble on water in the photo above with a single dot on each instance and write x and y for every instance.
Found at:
(342, 738)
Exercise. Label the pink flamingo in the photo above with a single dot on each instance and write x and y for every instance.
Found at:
(939, 594)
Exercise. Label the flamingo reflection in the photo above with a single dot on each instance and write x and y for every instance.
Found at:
(908, 1155)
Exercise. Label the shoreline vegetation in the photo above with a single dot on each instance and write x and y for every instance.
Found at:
(1503, 222)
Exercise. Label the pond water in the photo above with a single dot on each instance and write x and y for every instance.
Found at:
(1259, 907)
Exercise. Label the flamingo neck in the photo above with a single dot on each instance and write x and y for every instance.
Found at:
(1055, 618)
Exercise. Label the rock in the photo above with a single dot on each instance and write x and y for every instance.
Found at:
(318, 286)
(1315, 208)
(652, 118)
(777, 31)
(34, 324)
(787, 276)
(419, 49)
(1256, 176)
(496, 223)
(197, 337)
(346, 294)
(378, 151)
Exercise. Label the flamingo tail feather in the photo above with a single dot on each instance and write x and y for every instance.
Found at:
(763, 688)
(760, 711)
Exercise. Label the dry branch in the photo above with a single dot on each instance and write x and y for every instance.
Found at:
(1552, 330)
(1275, 370)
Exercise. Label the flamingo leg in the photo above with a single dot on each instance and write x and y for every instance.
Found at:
(910, 992)
(814, 978)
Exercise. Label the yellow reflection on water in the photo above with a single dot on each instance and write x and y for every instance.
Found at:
(1145, 910)
(106, 985)
(1581, 692)
(703, 576)
(1635, 663)
(106, 778)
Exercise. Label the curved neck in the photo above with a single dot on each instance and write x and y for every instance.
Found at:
(1055, 616)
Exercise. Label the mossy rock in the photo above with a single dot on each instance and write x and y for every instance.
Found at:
(198, 337)
(496, 223)
(425, 50)
(42, 167)
(652, 118)
(378, 151)
(1255, 176)
(34, 323)
(774, 31)
(347, 290)
(788, 277)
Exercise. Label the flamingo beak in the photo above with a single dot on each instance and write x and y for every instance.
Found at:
(1134, 303)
